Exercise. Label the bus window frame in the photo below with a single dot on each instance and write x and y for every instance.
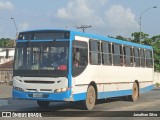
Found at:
(97, 52)
(128, 55)
(108, 53)
(136, 57)
(116, 55)
(142, 57)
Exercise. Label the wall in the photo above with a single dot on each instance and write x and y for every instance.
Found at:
(3, 54)
(156, 77)
(6, 75)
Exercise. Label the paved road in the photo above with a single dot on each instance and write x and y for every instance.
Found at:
(149, 101)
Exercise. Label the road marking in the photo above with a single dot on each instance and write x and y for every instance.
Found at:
(136, 106)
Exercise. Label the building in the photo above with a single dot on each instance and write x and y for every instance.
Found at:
(6, 55)
(6, 64)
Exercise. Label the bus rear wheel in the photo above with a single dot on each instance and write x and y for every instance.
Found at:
(90, 98)
(135, 93)
(43, 104)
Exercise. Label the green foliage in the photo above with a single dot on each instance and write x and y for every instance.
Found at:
(136, 37)
(6, 42)
(156, 48)
(153, 41)
(157, 84)
(121, 38)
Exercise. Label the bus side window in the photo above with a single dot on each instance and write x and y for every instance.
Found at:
(76, 56)
(136, 57)
(116, 55)
(128, 56)
(149, 58)
(122, 55)
(94, 50)
(142, 58)
(106, 53)
(131, 57)
(79, 57)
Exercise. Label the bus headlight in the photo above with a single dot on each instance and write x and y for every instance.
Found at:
(60, 90)
(64, 89)
(18, 88)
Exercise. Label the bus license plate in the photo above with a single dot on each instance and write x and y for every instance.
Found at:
(37, 95)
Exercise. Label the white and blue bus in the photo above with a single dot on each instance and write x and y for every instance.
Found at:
(65, 65)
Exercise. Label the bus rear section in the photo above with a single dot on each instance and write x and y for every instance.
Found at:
(111, 68)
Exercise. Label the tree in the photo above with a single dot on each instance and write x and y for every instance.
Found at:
(153, 41)
(121, 38)
(136, 37)
(6, 42)
(156, 49)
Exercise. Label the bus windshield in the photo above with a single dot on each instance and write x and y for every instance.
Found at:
(43, 58)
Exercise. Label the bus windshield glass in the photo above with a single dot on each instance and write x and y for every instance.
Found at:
(43, 58)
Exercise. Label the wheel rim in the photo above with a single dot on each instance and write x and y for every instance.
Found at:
(135, 92)
(90, 102)
(91, 97)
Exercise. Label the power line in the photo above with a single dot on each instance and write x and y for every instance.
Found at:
(83, 27)
(5, 19)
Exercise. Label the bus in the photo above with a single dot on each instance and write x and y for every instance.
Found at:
(66, 65)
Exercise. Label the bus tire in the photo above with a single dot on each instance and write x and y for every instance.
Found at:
(135, 93)
(43, 104)
(90, 98)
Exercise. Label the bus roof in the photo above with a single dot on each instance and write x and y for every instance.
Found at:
(96, 37)
(112, 40)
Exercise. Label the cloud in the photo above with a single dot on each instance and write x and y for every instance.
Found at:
(81, 11)
(121, 19)
(113, 20)
(23, 26)
(6, 5)
(78, 8)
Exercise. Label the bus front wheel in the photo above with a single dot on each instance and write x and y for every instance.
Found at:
(90, 98)
(43, 104)
(135, 92)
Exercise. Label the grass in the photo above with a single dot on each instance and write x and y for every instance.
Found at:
(157, 84)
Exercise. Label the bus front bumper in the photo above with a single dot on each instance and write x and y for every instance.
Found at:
(63, 96)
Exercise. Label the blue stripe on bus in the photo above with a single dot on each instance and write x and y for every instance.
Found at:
(146, 89)
(50, 96)
(112, 40)
(114, 93)
(101, 95)
(70, 65)
(76, 97)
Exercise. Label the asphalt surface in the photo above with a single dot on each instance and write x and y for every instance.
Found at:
(117, 108)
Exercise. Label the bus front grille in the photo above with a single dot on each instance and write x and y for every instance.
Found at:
(32, 90)
(46, 90)
(41, 90)
(42, 82)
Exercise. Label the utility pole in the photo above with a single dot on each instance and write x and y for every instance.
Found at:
(83, 27)
(140, 23)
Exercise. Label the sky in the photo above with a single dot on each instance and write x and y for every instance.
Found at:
(107, 17)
